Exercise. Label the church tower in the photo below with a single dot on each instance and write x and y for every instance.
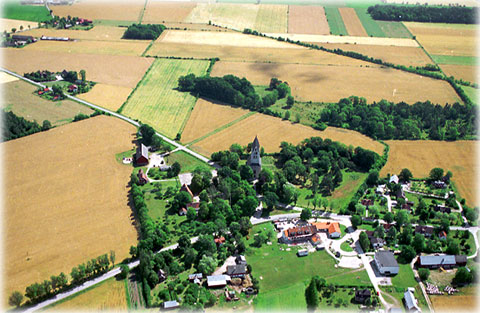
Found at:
(254, 161)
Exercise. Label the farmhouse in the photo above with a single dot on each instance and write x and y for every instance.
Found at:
(386, 263)
(141, 157)
(442, 208)
(362, 295)
(239, 270)
(439, 184)
(331, 228)
(443, 261)
(298, 234)
(254, 160)
(427, 231)
(217, 280)
(411, 304)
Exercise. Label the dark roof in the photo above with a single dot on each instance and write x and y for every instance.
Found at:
(255, 143)
(142, 151)
(461, 259)
(386, 259)
(236, 269)
(21, 37)
(363, 293)
(196, 275)
(369, 233)
(377, 240)
(424, 229)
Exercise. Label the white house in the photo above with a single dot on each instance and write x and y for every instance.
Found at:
(386, 263)
(394, 179)
(411, 304)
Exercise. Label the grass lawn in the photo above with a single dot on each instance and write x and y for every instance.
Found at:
(454, 59)
(35, 13)
(370, 25)
(335, 21)
(345, 246)
(158, 207)
(127, 154)
(187, 162)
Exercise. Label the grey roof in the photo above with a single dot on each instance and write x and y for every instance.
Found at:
(196, 275)
(142, 151)
(377, 240)
(217, 280)
(424, 229)
(363, 293)
(410, 301)
(255, 143)
(386, 259)
(461, 258)
(236, 269)
(170, 304)
(437, 260)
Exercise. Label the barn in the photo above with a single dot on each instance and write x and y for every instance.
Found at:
(141, 157)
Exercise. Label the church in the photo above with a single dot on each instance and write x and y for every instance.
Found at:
(254, 160)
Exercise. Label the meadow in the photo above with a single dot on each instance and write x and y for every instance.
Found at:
(272, 19)
(335, 21)
(370, 25)
(394, 29)
(15, 11)
(307, 20)
(188, 162)
(352, 22)
(156, 102)
(454, 59)
(71, 174)
(108, 96)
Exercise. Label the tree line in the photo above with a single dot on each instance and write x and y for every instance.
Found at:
(144, 31)
(16, 126)
(424, 13)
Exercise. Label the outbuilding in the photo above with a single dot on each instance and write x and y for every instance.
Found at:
(386, 263)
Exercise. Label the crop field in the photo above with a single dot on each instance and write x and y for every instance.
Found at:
(15, 11)
(454, 59)
(394, 29)
(371, 26)
(272, 19)
(472, 93)
(116, 70)
(201, 121)
(398, 42)
(460, 302)
(120, 10)
(19, 97)
(464, 72)
(307, 20)
(7, 24)
(414, 56)
(352, 23)
(5, 78)
(155, 101)
(335, 21)
(272, 131)
(159, 11)
(99, 32)
(107, 96)
(76, 207)
(108, 295)
(236, 16)
(321, 83)
(421, 156)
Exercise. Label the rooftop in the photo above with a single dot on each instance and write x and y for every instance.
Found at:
(386, 259)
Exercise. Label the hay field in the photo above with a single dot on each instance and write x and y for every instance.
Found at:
(107, 96)
(76, 207)
(109, 295)
(421, 156)
(465, 72)
(466, 301)
(272, 131)
(155, 101)
(5, 78)
(272, 18)
(222, 39)
(208, 116)
(414, 56)
(134, 48)
(99, 32)
(8, 24)
(307, 20)
(116, 70)
(119, 10)
(174, 11)
(331, 83)
(19, 97)
(352, 22)
(236, 16)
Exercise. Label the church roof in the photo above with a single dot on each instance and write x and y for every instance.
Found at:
(255, 143)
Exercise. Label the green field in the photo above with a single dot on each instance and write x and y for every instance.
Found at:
(188, 162)
(471, 93)
(454, 59)
(370, 25)
(155, 100)
(335, 21)
(394, 29)
(15, 11)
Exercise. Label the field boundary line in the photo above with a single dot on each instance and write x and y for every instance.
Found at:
(148, 48)
(185, 121)
(127, 295)
(142, 12)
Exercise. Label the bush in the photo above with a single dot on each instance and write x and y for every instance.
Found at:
(423, 273)
(124, 270)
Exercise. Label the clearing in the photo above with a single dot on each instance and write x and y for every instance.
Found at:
(7, 24)
(76, 207)
(119, 10)
(236, 16)
(421, 156)
(307, 20)
(108, 96)
(19, 97)
(157, 103)
(16, 11)
(352, 22)
(159, 11)
(272, 19)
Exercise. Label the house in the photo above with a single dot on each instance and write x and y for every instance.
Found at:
(182, 212)
(195, 205)
(461, 260)
(161, 275)
(387, 226)
(362, 295)
(370, 234)
(186, 189)
(240, 259)
(218, 280)
(377, 242)
(380, 190)
(219, 240)
(192, 277)
(439, 184)
(142, 177)
(254, 160)
(298, 234)
(366, 202)
(442, 235)
(141, 157)
(427, 231)
(411, 304)
(316, 240)
(443, 261)
(394, 179)
(170, 305)
(386, 263)
(331, 228)
(407, 207)
(21, 38)
(400, 193)
(239, 270)
(73, 88)
(442, 208)
(303, 252)
(230, 295)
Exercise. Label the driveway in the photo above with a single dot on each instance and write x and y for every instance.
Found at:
(222, 269)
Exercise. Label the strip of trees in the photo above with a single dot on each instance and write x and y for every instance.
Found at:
(16, 127)
(144, 31)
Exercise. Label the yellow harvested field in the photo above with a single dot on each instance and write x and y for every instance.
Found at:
(76, 207)
(201, 122)
(414, 56)
(331, 83)
(444, 40)
(8, 24)
(272, 18)
(304, 19)
(118, 10)
(352, 22)
(465, 72)
(467, 301)
(421, 156)
(222, 39)
(99, 32)
(115, 70)
(271, 131)
(236, 16)
(160, 11)
(109, 295)
(125, 47)
(107, 96)
(5, 78)
(376, 41)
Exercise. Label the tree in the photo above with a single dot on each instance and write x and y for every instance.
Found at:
(207, 265)
(356, 221)
(174, 170)
(453, 248)
(14, 29)
(46, 125)
(124, 270)
(372, 178)
(287, 115)
(290, 101)
(271, 199)
(436, 174)
(112, 257)
(181, 199)
(15, 299)
(147, 133)
(83, 75)
(423, 273)
(419, 243)
(311, 296)
(191, 214)
(306, 214)
(407, 254)
(405, 175)
(283, 90)
(297, 117)
(133, 252)
(364, 242)
(401, 218)
(462, 276)
(246, 172)
(388, 217)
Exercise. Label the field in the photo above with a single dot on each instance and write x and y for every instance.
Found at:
(8, 24)
(465, 72)
(107, 96)
(394, 29)
(108, 295)
(455, 60)
(307, 20)
(201, 121)
(272, 19)
(371, 26)
(120, 10)
(15, 11)
(76, 207)
(335, 21)
(155, 101)
(421, 156)
(472, 93)
(398, 42)
(236, 16)
(99, 32)
(19, 98)
(407, 56)
(189, 163)
(321, 83)
(175, 11)
(5, 78)
(352, 23)
(272, 131)
(464, 301)
(116, 70)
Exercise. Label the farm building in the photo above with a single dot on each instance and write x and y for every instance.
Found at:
(254, 160)
(362, 295)
(237, 270)
(196, 278)
(298, 234)
(141, 157)
(439, 184)
(394, 179)
(427, 231)
(142, 177)
(240, 259)
(54, 38)
(411, 304)
(442, 208)
(218, 280)
(331, 228)
(170, 305)
(195, 205)
(23, 39)
(386, 263)
(303, 252)
(377, 242)
(443, 261)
